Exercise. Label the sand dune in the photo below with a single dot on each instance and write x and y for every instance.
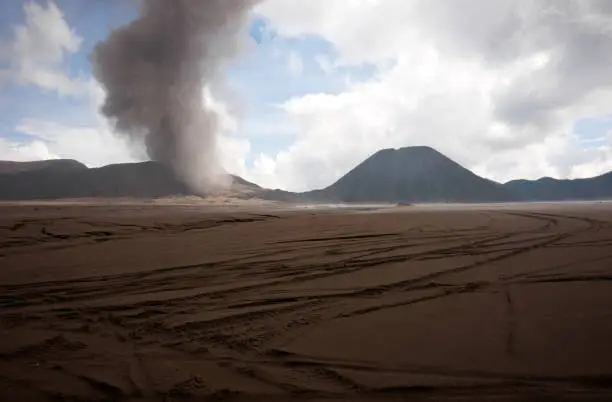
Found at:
(189, 302)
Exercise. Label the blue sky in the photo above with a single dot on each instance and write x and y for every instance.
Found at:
(306, 119)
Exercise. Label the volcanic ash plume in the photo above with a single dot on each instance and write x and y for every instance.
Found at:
(154, 70)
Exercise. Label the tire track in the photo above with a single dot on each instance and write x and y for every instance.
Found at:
(244, 340)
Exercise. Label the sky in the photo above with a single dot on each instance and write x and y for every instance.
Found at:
(507, 88)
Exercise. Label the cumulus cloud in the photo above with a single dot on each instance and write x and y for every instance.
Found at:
(39, 47)
(496, 85)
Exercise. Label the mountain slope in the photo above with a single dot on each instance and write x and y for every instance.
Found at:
(412, 174)
(11, 167)
(549, 189)
(49, 180)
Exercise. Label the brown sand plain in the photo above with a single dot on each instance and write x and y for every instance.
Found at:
(192, 302)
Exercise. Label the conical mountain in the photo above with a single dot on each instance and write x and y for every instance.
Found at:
(413, 174)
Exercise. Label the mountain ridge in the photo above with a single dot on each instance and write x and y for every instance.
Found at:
(53, 180)
(390, 175)
(551, 189)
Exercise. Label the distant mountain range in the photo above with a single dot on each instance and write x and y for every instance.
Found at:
(405, 175)
(54, 179)
(549, 189)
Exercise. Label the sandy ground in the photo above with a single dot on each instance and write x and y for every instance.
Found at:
(189, 302)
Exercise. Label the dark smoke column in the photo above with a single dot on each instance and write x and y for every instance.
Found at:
(153, 71)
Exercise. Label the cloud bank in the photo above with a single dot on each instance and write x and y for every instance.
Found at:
(498, 86)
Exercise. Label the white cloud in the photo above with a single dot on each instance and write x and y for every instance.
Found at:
(233, 151)
(39, 47)
(495, 85)
(24, 152)
(324, 63)
(295, 64)
(91, 145)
